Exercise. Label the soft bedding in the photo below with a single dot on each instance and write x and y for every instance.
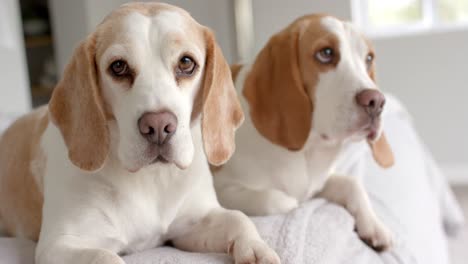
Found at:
(317, 232)
(412, 198)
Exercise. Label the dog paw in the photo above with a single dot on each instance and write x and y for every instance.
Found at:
(375, 234)
(253, 252)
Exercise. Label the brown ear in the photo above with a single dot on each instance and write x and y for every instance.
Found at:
(222, 113)
(280, 106)
(382, 152)
(76, 108)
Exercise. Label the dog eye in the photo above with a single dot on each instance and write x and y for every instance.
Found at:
(325, 55)
(369, 60)
(119, 68)
(186, 66)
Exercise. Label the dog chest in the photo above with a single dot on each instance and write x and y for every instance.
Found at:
(147, 205)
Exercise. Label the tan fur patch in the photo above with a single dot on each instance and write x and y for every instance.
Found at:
(222, 113)
(382, 152)
(77, 109)
(235, 69)
(106, 30)
(20, 180)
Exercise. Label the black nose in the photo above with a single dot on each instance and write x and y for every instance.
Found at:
(158, 128)
(372, 101)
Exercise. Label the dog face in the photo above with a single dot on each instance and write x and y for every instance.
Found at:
(315, 79)
(147, 74)
(150, 76)
(338, 70)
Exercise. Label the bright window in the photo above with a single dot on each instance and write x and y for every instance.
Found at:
(396, 12)
(381, 17)
(453, 10)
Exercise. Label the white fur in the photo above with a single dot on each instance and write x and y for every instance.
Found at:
(92, 217)
(154, 90)
(336, 113)
(262, 178)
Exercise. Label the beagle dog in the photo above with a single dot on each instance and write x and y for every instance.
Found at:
(118, 161)
(309, 94)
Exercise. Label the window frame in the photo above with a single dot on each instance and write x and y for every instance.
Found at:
(430, 21)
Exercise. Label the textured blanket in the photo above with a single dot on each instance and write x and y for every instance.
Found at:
(317, 232)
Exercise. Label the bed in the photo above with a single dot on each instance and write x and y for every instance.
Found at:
(412, 198)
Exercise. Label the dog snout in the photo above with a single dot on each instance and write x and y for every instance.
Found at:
(158, 128)
(372, 101)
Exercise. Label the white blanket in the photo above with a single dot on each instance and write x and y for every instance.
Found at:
(412, 198)
(317, 232)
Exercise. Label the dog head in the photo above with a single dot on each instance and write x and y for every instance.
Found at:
(143, 78)
(316, 78)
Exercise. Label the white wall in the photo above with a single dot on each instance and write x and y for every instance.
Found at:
(69, 26)
(429, 73)
(15, 93)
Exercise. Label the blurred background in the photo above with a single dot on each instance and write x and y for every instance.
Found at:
(422, 53)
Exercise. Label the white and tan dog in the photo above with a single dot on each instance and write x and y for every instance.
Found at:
(309, 92)
(117, 163)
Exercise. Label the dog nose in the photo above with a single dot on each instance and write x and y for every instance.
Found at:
(372, 101)
(158, 128)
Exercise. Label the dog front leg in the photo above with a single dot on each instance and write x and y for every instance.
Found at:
(255, 202)
(227, 231)
(349, 193)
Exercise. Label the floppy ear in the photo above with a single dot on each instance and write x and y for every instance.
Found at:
(77, 110)
(382, 152)
(221, 112)
(280, 106)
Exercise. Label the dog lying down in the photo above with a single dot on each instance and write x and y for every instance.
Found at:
(310, 93)
(118, 161)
